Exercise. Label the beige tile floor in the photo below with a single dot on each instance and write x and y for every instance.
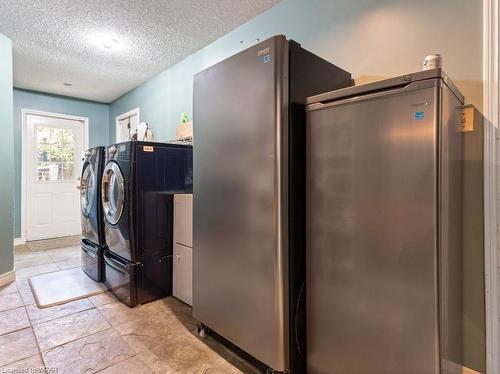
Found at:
(99, 334)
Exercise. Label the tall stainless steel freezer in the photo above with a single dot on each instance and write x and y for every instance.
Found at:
(384, 220)
(249, 196)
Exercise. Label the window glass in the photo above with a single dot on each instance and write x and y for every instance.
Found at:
(87, 189)
(55, 148)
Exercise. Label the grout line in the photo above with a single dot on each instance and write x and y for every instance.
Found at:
(8, 310)
(5, 369)
(32, 325)
(216, 367)
(65, 315)
(133, 353)
(102, 315)
(13, 307)
(34, 333)
(19, 329)
(124, 359)
(74, 340)
(119, 362)
(13, 362)
(95, 333)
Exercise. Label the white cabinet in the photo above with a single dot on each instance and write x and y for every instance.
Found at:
(183, 219)
(182, 287)
(183, 273)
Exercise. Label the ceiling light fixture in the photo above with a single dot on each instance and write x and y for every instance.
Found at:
(67, 84)
(110, 43)
(106, 41)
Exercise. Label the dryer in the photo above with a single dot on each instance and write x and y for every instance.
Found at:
(93, 241)
(138, 184)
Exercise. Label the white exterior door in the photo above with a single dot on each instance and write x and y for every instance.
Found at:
(54, 148)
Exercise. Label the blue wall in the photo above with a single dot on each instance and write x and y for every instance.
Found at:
(97, 113)
(372, 39)
(6, 157)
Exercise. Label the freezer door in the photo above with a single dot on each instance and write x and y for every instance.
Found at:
(239, 283)
(371, 234)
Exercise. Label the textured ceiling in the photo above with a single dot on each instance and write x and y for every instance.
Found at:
(58, 41)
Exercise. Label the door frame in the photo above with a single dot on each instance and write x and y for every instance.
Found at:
(24, 157)
(130, 113)
(491, 111)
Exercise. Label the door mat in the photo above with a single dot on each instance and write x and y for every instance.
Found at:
(63, 286)
(40, 245)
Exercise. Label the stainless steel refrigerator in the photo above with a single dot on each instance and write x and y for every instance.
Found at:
(249, 196)
(384, 227)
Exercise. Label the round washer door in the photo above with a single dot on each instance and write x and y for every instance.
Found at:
(87, 189)
(113, 192)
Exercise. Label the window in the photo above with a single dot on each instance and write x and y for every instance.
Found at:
(125, 124)
(55, 149)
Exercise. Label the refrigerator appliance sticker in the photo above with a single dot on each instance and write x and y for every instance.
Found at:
(266, 53)
(419, 115)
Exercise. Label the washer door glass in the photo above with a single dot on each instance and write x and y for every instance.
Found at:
(87, 189)
(113, 192)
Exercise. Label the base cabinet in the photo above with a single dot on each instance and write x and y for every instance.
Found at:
(183, 273)
(182, 287)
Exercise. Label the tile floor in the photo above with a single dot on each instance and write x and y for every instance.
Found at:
(99, 334)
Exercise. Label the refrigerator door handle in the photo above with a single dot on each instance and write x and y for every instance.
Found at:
(281, 198)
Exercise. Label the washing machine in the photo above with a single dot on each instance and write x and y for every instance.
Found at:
(138, 184)
(93, 242)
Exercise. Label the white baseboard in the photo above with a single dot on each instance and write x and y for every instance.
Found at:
(19, 241)
(7, 278)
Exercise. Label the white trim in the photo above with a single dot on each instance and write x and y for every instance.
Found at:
(19, 241)
(7, 278)
(130, 113)
(24, 114)
(491, 95)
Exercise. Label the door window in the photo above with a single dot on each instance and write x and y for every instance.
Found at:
(55, 148)
(126, 123)
(87, 189)
(113, 193)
